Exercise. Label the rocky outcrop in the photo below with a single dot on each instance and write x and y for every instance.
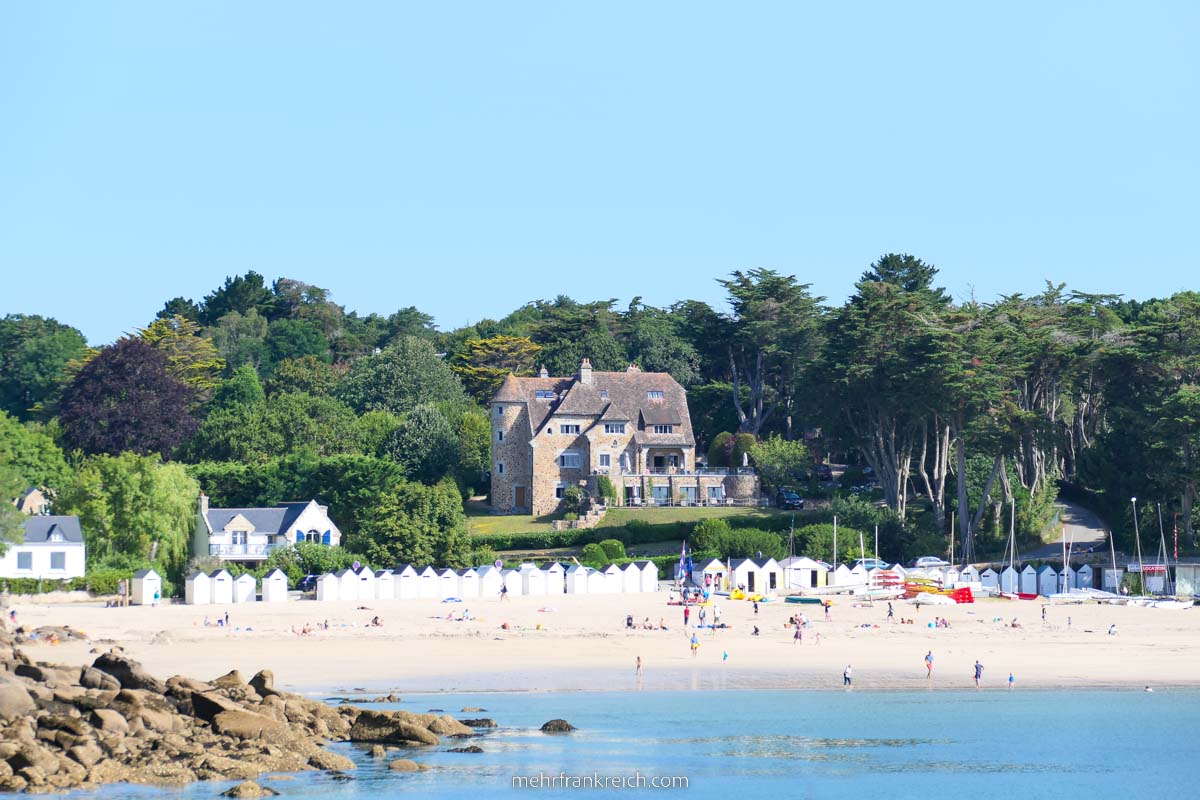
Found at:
(557, 726)
(128, 673)
(482, 722)
(249, 789)
(394, 727)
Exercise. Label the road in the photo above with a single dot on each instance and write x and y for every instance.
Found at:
(1081, 529)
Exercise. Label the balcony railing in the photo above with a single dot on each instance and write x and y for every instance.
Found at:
(676, 471)
(242, 550)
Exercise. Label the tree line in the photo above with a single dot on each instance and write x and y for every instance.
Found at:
(262, 392)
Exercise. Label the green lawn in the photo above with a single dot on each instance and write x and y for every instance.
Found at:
(480, 523)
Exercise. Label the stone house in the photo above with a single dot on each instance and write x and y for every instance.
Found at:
(251, 534)
(550, 433)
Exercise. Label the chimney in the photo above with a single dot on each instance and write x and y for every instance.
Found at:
(203, 504)
(585, 371)
(542, 373)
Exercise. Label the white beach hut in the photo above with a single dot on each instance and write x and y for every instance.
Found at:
(649, 576)
(858, 574)
(275, 587)
(990, 579)
(1029, 580)
(556, 578)
(427, 584)
(842, 576)
(146, 588)
(1010, 580)
(533, 580)
(711, 575)
(406, 582)
(1066, 578)
(801, 572)
(222, 587)
(1112, 579)
(328, 586)
(899, 570)
(490, 581)
(969, 574)
(513, 582)
(1047, 580)
(366, 584)
(468, 583)
(1085, 577)
(950, 576)
(614, 579)
(245, 588)
(197, 589)
(631, 578)
(348, 584)
(758, 576)
(577, 579)
(385, 585)
(597, 583)
(448, 584)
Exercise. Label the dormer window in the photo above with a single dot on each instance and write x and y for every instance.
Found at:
(568, 429)
(57, 537)
(664, 428)
(544, 394)
(604, 394)
(655, 394)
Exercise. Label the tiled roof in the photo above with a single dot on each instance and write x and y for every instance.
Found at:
(265, 520)
(39, 529)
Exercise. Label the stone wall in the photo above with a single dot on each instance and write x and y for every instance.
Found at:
(513, 452)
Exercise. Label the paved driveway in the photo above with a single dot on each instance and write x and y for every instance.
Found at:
(1081, 529)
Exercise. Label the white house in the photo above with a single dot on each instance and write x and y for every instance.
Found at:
(490, 581)
(407, 580)
(1010, 580)
(146, 588)
(577, 579)
(197, 589)
(1029, 580)
(275, 587)
(513, 582)
(597, 582)
(631, 578)
(710, 576)
(347, 584)
(427, 584)
(1047, 580)
(990, 579)
(801, 573)
(251, 534)
(385, 585)
(533, 580)
(448, 585)
(758, 576)
(468, 583)
(614, 579)
(556, 578)
(1085, 577)
(245, 588)
(222, 587)
(366, 584)
(52, 549)
(328, 587)
(649, 576)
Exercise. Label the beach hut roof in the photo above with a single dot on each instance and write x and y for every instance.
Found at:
(145, 573)
(344, 572)
(986, 571)
(379, 573)
(429, 570)
(218, 572)
(245, 576)
(276, 571)
(645, 563)
(612, 569)
(486, 570)
(1046, 568)
(448, 571)
(196, 573)
(576, 568)
(761, 563)
(803, 562)
(553, 566)
(1029, 568)
(470, 570)
(712, 563)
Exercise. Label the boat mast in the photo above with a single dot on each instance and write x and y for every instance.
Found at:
(1138, 536)
(1162, 544)
(835, 561)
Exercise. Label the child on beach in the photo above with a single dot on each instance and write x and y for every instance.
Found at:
(695, 645)
(929, 664)
(798, 636)
(1010, 681)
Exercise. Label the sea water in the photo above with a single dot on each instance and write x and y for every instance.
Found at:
(797, 744)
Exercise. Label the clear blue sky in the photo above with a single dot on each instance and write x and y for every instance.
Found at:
(468, 157)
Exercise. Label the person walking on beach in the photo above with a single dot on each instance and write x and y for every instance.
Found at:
(929, 664)
(978, 672)
(638, 670)
(503, 592)
(695, 645)
(891, 614)
(798, 636)
(827, 606)
(702, 616)
(1043, 615)
(1011, 680)
(756, 608)
(687, 612)
(846, 676)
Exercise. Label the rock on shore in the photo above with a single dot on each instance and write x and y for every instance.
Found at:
(65, 728)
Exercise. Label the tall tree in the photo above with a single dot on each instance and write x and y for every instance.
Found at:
(241, 294)
(399, 378)
(126, 399)
(191, 356)
(425, 446)
(34, 353)
(483, 364)
(32, 454)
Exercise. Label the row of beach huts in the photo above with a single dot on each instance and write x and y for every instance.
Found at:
(410, 582)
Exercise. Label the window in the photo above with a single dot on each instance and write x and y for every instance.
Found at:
(605, 460)
(58, 560)
(237, 537)
(604, 394)
(654, 394)
(499, 411)
(568, 429)
(664, 428)
(25, 561)
(558, 491)
(569, 460)
(499, 436)
(614, 427)
(56, 537)
(544, 394)
(313, 536)
(499, 467)
(549, 430)
(716, 493)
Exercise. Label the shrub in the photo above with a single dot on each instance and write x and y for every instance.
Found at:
(593, 555)
(572, 499)
(483, 556)
(613, 549)
(606, 489)
(709, 533)
(570, 516)
(720, 452)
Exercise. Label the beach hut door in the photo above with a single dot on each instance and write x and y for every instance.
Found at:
(750, 581)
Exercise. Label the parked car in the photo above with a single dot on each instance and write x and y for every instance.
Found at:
(824, 472)
(925, 562)
(789, 499)
(308, 583)
(872, 563)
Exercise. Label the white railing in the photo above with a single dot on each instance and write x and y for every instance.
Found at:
(241, 549)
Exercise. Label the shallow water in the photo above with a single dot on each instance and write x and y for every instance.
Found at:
(1033, 744)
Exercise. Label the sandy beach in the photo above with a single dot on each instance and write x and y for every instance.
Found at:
(582, 644)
